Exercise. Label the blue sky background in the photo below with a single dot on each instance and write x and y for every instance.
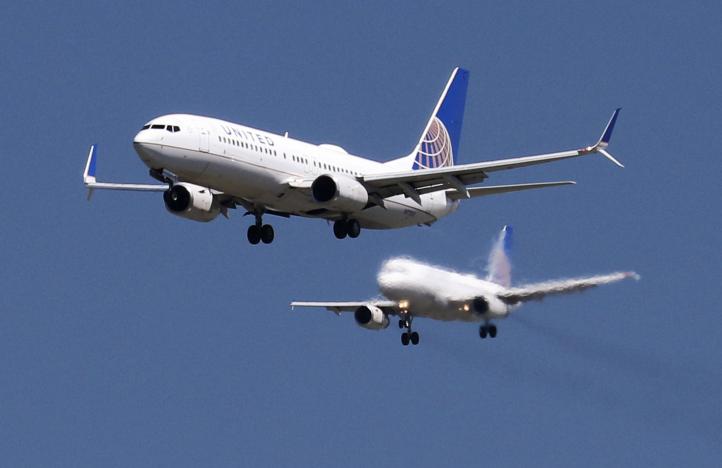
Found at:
(129, 337)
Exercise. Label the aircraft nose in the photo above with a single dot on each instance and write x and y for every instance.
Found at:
(140, 138)
(145, 144)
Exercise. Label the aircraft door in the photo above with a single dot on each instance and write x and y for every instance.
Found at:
(204, 140)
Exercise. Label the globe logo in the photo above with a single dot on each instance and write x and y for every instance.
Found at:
(435, 148)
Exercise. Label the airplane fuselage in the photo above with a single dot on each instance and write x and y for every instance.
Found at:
(441, 294)
(255, 165)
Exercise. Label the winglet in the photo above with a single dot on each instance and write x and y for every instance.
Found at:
(603, 142)
(89, 173)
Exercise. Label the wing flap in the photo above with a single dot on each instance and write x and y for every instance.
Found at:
(496, 189)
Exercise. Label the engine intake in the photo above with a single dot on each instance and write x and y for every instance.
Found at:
(480, 305)
(339, 193)
(191, 202)
(371, 317)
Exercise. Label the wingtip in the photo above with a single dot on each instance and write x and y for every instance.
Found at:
(633, 275)
(607, 135)
(90, 164)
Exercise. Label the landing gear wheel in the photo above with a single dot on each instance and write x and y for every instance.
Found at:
(402, 323)
(482, 331)
(339, 229)
(353, 228)
(492, 331)
(254, 234)
(405, 339)
(267, 233)
(414, 338)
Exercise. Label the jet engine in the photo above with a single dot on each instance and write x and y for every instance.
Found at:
(371, 317)
(480, 305)
(191, 202)
(339, 193)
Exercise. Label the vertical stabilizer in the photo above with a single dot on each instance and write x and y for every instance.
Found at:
(499, 266)
(439, 143)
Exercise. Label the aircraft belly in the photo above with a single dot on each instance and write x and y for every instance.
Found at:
(239, 178)
(396, 214)
(429, 305)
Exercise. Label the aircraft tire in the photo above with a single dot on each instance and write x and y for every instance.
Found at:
(482, 331)
(353, 228)
(339, 229)
(405, 339)
(254, 234)
(492, 331)
(267, 234)
(414, 338)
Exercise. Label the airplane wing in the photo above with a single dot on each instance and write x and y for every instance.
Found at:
(413, 183)
(389, 307)
(91, 184)
(537, 291)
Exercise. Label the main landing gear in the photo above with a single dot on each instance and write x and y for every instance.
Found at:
(260, 232)
(408, 335)
(487, 330)
(346, 227)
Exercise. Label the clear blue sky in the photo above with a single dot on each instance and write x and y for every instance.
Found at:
(129, 337)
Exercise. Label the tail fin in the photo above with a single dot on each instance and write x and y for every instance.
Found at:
(439, 144)
(499, 266)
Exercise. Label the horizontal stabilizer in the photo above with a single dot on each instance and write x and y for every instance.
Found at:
(496, 189)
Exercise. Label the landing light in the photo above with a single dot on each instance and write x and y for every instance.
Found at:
(404, 304)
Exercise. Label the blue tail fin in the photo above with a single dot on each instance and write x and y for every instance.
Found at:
(499, 266)
(439, 144)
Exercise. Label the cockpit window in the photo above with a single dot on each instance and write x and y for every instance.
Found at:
(170, 128)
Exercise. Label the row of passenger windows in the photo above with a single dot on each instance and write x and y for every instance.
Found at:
(170, 128)
(324, 166)
(294, 158)
(243, 144)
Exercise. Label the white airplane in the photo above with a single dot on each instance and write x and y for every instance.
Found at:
(207, 166)
(416, 289)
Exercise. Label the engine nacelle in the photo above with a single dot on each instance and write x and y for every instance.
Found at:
(371, 317)
(191, 202)
(480, 305)
(489, 306)
(339, 193)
